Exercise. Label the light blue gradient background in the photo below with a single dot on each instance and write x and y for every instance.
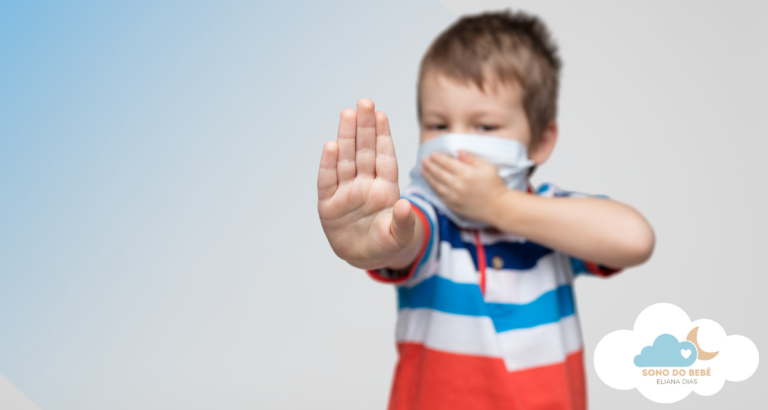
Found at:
(159, 240)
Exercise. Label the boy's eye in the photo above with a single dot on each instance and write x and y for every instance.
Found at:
(487, 127)
(437, 127)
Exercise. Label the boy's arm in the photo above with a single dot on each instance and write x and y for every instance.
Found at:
(365, 220)
(602, 231)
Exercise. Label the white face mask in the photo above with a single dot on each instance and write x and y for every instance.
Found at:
(509, 156)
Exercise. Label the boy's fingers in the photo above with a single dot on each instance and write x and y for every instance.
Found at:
(346, 145)
(382, 123)
(365, 149)
(403, 222)
(449, 163)
(327, 181)
(437, 186)
(437, 171)
(386, 161)
(468, 158)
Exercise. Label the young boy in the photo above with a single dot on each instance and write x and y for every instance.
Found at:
(482, 264)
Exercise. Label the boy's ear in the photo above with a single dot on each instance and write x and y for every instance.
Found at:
(545, 146)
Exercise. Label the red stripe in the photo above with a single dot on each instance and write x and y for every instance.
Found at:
(426, 379)
(427, 237)
(480, 260)
(600, 270)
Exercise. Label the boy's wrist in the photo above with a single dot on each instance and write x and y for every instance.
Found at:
(400, 259)
(391, 262)
(501, 207)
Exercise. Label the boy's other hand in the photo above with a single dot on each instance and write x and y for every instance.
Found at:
(467, 185)
(362, 214)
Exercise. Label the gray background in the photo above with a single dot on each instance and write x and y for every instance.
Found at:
(159, 240)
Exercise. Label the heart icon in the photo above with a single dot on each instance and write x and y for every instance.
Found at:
(685, 353)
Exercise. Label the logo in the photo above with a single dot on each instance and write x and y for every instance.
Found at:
(666, 356)
(667, 351)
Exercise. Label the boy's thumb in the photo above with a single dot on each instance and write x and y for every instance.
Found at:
(468, 158)
(403, 222)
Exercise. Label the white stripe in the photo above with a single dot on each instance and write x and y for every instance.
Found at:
(448, 332)
(540, 345)
(455, 265)
(487, 238)
(429, 269)
(430, 266)
(525, 286)
(475, 335)
(426, 206)
(503, 285)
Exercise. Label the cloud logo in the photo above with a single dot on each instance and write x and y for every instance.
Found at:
(677, 356)
(667, 351)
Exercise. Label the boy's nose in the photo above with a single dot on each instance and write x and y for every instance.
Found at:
(460, 129)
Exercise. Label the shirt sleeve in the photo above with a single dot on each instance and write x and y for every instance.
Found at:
(579, 266)
(427, 257)
(584, 267)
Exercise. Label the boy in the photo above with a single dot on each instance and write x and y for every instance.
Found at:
(483, 265)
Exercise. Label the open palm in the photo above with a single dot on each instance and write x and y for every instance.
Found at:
(366, 222)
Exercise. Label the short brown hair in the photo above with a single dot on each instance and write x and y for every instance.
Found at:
(513, 47)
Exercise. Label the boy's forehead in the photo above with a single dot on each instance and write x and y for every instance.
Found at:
(437, 85)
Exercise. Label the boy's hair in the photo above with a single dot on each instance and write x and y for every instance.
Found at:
(508, 46)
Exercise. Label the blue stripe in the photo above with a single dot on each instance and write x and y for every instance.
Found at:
(465, 299)
(579, 267)
(443, 295)
(516, 255)
(547, 308)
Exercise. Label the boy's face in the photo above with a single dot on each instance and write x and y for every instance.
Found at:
(451, 106)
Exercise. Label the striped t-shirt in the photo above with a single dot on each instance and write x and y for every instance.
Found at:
(487, 320)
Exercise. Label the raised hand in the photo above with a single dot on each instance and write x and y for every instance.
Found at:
(364, 219)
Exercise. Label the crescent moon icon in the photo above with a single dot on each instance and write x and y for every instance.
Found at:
(692, 337)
